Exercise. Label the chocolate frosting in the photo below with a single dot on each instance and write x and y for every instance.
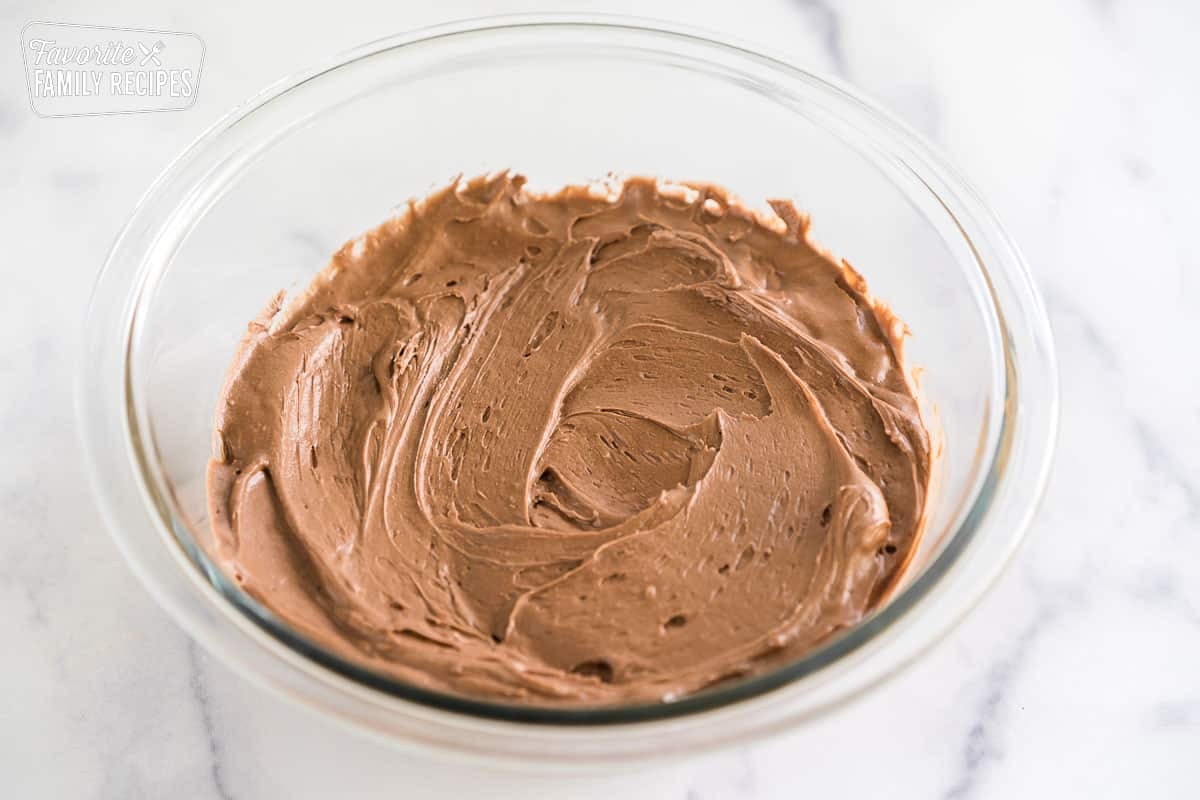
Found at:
(611, 444)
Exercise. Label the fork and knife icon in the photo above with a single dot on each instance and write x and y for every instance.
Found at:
(151, 54)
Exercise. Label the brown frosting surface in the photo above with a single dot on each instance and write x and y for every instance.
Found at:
(589, 447)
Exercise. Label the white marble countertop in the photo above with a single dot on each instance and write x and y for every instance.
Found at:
(1079, 675)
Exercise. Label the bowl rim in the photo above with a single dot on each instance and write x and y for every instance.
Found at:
(132, 436)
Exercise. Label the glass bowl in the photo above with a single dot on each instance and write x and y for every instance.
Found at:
(260, 201)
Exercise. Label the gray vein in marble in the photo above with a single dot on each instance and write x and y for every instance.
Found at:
(1174, 714)
(310, 242)
(204, 706)
(981, 746)
(829, 24)
(1162, 461)
(37, 608)
(925, 112)
(9, 121)
(73, 179)
(1136, 167)
(26, 564)
(1189, 271)
(1161, 589)
(1158, 454)
(1060, 307)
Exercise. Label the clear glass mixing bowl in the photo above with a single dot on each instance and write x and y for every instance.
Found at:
(262, 199)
